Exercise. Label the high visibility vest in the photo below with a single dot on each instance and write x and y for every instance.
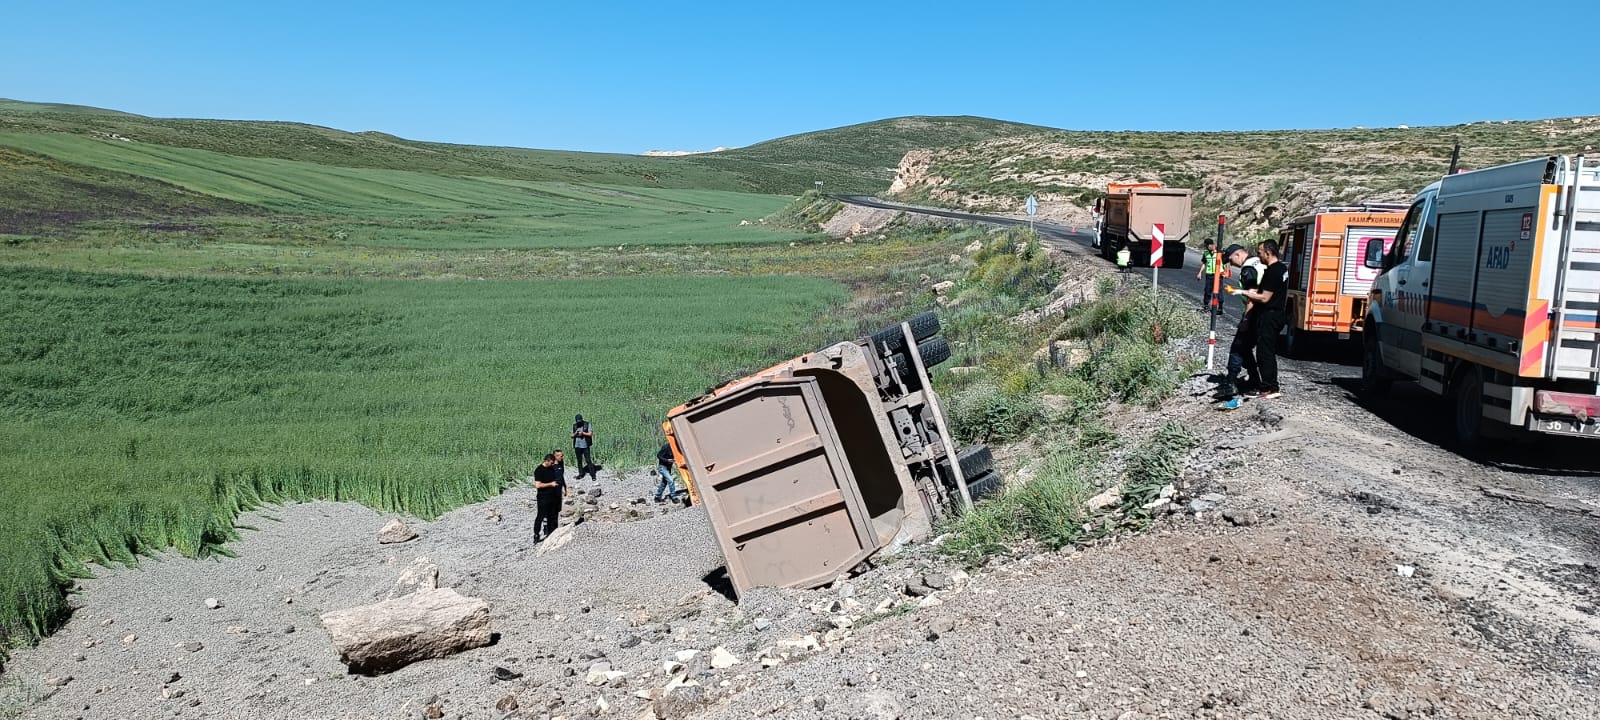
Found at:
(1210, 262)
(1124, 256)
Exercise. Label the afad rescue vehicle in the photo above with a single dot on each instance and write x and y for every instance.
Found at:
(1330, 271)
(1489, 296)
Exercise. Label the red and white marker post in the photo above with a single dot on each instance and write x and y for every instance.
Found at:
(1158, 236)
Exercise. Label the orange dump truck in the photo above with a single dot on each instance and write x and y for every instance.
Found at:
(809, 467)
(1129, 213)
(1329, 271)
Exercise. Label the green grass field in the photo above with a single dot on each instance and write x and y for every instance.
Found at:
(140, 413)
(327, 204)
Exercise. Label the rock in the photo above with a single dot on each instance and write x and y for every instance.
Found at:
(433, 711)
(395, 531)
(761, 624)
(1405, 571)
(79, 657)
(556, 541)
(975, 246)
(421, 575)
(1200, 506)
(172, 678)
(505, 674)
(940, 627)
(597, 492)
(841, 621)
(601, 673)
(679, 702)
(287, 630)
(213, 604)
(918, 590)
(937, 581)
(1111, 496)
(955, 259)
(882, 706)
(943, 286)
(507, 704)
(685, 656)
(630, 641)
(193, 646)
(130, 639)
(1241, 518)
(394, 633)
(601, 707)
(1214, 497)
(721, 659)
(58, 681)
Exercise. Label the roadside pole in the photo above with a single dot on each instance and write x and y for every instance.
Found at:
(1033, 209)
(1216, 288)
(1158, 238)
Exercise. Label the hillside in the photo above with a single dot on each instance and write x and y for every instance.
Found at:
(856, 158)
(1257, 179)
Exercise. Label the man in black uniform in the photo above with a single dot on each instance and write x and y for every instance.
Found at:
(1270, 301)
(1242, 351)
(547, 479)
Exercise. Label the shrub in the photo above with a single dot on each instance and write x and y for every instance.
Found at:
(983, 412)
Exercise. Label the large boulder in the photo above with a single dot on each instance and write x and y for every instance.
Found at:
(394, 633)
(395, 531)
(421, 576)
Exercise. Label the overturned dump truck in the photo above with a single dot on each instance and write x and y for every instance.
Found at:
(815, 464)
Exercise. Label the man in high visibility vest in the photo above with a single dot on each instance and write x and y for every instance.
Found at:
(1208, 274)
(1124, 257)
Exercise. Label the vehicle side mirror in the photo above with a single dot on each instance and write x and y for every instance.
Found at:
(1374, 253)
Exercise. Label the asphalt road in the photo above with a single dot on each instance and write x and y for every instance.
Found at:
(1076, 241)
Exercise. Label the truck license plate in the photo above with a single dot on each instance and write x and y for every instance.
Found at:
(1570, 427)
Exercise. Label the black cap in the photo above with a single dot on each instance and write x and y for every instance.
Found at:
(1236, 247)
(578, 419)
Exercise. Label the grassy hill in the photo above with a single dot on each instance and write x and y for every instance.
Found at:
(1258, 179)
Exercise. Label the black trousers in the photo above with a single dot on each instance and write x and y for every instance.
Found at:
(1242, 352)
(1267, 325)
(585, 461)
(549, 515)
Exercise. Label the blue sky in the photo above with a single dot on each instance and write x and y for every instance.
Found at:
(629, 77)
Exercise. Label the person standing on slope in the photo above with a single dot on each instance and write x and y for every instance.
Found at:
(1208, 273)
(1269, 303)
(1241, 352)
(666, 467)
(583, 448)
(547, 481)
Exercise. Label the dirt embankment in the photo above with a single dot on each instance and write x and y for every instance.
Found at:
(1323, 561)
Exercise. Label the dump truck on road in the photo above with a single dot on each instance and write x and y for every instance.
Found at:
(1128, 214)
(815, 464)
(1489, 296)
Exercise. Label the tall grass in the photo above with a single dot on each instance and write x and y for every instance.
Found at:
(142, 413)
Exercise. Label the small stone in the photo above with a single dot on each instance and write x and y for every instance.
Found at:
(841, 621)
(761, 624)
(166, 618)
(721, 659)
(172, 678)
(107, 622)
(130, 639)
(1080, 674)
(288, 630)
(1201, 506)
(213, 604)
(937, 581)
(918, 590)
(1241, 518)
(940, 627)
(193, 646)
(630, 641)
(78, 657)
(505, 674)
(395, 531)
(507, 704)
(819, 703)
(1214, 498)
(685, 656)
(434, 711)
(58, 681)
(1405, 571)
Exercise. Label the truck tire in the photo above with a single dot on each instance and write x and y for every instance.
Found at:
(975, 460)
(1469, 407)
(984, 486)
(1375, 383)
(923, 326)
(934, 351)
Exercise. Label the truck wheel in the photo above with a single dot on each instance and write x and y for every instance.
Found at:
(984, 486)
(923, 326)
(975, 460)
(934, 351)
(1469, 408)
(1374, 381)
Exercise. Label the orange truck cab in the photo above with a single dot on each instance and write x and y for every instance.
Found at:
(1330, 272)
